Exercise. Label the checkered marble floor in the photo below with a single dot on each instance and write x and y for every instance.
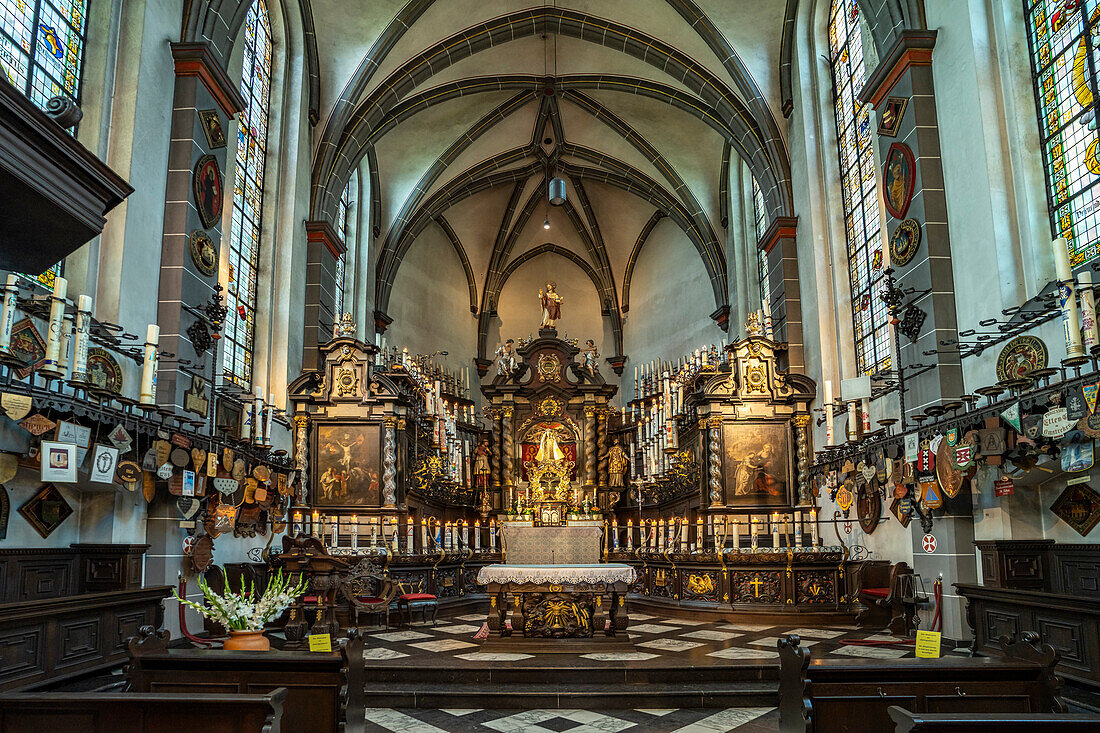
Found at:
(743, 720)
(657, 641)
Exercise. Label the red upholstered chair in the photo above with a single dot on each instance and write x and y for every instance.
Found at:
(360, 602)
(424, 602)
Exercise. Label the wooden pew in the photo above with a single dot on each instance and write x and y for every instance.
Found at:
(908, 722)
(93, 712)
(842, 695)
(325, 690)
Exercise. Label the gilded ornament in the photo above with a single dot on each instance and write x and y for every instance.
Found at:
(549, 368)
(550, 406)
(347, 382)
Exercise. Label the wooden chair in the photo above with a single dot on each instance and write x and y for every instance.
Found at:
(358, 596)
(411, 598)
(889, 595)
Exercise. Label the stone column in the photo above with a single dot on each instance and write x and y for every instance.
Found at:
(590, 448)
(714, 459)
(389, 465)
(301, 455)
(905, 71)
(508, 479)
(324, 246)
(800, 423)
(786, 299)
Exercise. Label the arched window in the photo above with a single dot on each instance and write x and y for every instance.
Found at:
(859, 187)
(761, 223)
(1063, 45)
(42, 54)
(341, 262)
(248, 196)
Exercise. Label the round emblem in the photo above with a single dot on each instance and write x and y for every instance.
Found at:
(188, 544)
(904, 242)
(1021, 356)
(845, 498)
(206, 184)
(128, 471)
(103, 371)
(203, 252)
(549, 406)
(549, 368)
(929, 543)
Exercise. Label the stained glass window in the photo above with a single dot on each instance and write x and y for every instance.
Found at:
(1063, 36)
(248, 197)
(859, 187)
(341, 261)
(42, 46)
(760, 220)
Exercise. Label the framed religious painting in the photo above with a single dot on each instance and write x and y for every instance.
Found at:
(899, 179)
(227, 417)
(756, 463)
(207, 185)
(46, 510)
(212, 128)
(889, 122)
(347, 469)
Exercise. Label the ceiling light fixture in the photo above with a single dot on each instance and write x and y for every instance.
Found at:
(546, 223)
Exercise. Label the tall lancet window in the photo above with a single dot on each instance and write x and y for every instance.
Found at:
(248, 197)
(760, 222)
(859, 188)
(342, 209)
(42, 55)
(1063, 38)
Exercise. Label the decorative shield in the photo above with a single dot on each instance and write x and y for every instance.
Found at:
(869, 508)
(947, 473)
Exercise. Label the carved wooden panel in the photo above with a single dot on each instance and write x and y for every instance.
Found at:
(1080, 577)
(446, 583)
(411, 581)
(815, 587)
(78, 641)
(127, 625)
(103, 572)
(700, 585)
(20, 652)
(1066, 636)
(756, 587)
(44, 579)
(1001, 623)
(1024, 570)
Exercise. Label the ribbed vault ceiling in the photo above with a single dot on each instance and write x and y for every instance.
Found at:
(458, 110)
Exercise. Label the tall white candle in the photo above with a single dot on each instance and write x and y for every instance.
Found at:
(149, 365)
(1071, 321)
(813, 527)
(1088, 311)
(258, 416)
(355, 531)
(409, 536)
(493, 535)
(736, 534)
(270, 415)
(7, 314)
(57, 312)
(775, 530)
(66, 340)
(477, 535)
(83, 329)
(828, 412)
(423, 535)
(630, 533)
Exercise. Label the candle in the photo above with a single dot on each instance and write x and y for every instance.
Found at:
(270, 414)
(660, 534)
(355, 531)
(685, 528)
(1071, 323)
(315, 524)
(492, 535)
(258, 417)
(753, 541)
(866, 415)
(409, 536)
(798, 530)
(828, 412)
(335, 530)
(373, 535)
(423, 535)
(448, 537)
(477, 535)
(395, 544)
(57, 313)
(1088, 311)
(66, 338)
(7, 314)
(614, 533)
(83, 329)
(149, 365)
(736, 534)
(699, 536)
(813, 527)
(465, 533)
(775, 530)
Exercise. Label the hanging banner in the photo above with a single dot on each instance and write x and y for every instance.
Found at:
(1012, 417)
(1075, 405)
(1089, 392)
(912, 445)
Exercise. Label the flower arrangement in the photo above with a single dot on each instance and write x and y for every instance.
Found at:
(242, 610)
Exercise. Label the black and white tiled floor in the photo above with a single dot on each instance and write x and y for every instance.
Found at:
(657, 643)
(743, 720)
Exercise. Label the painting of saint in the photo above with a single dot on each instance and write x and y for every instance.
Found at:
(756, 464)
(898, 180)
(208, 189)
(348, 460)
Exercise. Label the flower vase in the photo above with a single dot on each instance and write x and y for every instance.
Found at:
(247, 641)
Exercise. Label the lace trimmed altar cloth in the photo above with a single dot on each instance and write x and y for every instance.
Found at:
(557, 574)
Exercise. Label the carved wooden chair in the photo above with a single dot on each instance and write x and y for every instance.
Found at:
(889, 595)
(356, 591)
(411, 598)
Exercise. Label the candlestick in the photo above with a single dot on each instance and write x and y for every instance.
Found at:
(7, 314)
(83, 329)
(57, 312)
(149, 365)
(1071, 322)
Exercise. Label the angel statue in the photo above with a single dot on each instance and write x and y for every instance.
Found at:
(590, 357)
(551, 305)
(507, 356)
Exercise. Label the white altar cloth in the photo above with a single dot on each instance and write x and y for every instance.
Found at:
(563, 574)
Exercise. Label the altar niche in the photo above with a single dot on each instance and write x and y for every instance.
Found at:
(549, 430)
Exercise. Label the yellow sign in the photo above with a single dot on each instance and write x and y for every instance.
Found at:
(323, 643)
(928, 644)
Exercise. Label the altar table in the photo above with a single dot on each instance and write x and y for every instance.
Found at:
(557, 601)
(573, 544)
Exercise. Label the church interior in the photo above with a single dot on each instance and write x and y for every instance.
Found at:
(583, 365)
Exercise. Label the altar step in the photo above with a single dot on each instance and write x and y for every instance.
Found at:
(507, 675)
(576, 695)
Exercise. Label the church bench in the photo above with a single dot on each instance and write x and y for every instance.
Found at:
(841, 695)
(324, 689)
(908, 722)
(92, 712)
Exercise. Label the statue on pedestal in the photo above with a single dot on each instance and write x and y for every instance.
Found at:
(616, 465)
(551, 305)
(590, 357)
(482, 471)
(506, 366)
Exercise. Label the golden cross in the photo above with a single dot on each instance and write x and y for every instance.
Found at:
(756, 585)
